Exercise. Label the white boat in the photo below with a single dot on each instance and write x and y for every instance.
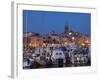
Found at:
(57, 54)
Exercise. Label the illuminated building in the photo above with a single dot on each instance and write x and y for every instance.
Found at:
(36, 41)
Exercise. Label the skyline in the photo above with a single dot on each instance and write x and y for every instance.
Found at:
(43, 22)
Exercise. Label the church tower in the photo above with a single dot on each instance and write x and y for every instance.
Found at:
(66, 29)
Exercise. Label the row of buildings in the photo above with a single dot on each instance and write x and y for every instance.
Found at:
(68, 37)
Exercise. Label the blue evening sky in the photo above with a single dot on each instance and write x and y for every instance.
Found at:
(43, 22)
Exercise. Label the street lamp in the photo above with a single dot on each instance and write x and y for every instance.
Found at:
(73, 38)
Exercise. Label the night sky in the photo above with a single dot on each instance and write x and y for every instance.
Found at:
(43, 22)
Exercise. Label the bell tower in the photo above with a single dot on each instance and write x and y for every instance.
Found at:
(66, 29)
